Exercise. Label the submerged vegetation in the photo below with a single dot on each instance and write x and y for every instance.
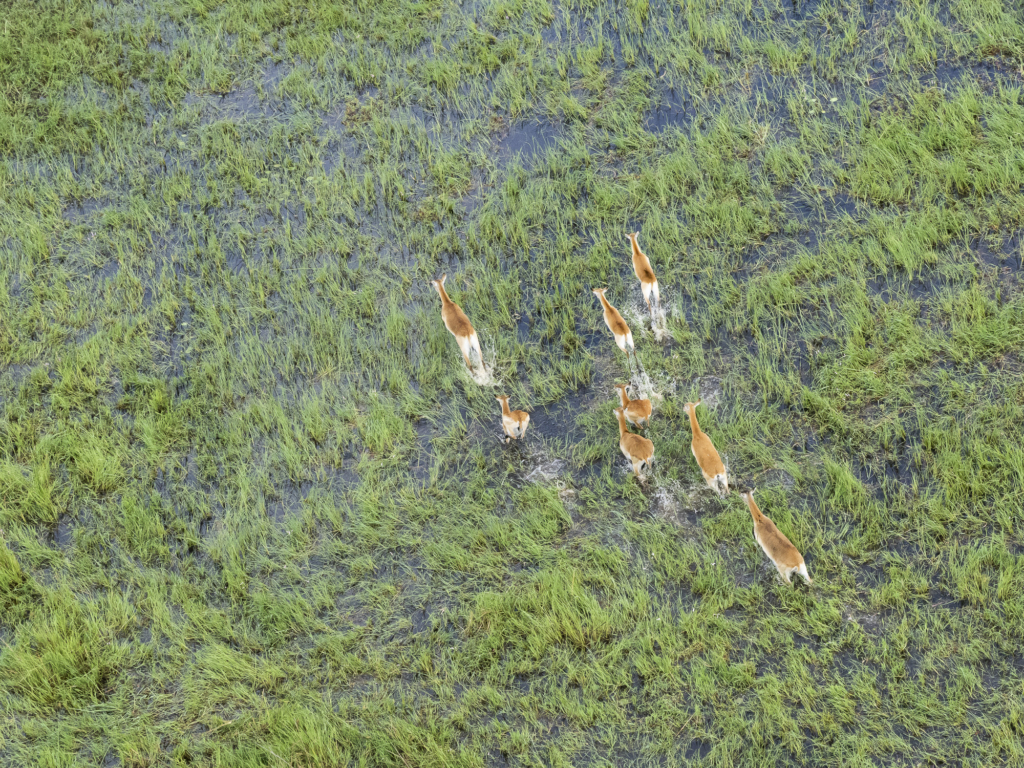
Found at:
(254, 510)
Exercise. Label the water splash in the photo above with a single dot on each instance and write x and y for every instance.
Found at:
(641, 318)
(482, 373)
(644, 387)
(482, 376)
(659, 325)
(649, 473)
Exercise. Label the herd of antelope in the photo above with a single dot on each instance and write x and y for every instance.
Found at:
(637, 449)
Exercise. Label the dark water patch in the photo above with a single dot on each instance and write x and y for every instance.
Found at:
(258, 99)
(868, 574)
(698, 749)
(678, 598)
(288, 499)
(338, 147)
(808, 223)
(813, 20)
(497, 756)
(208, 525)
(170, 344)
(272, 74)
(525, 141)
(63, 534)
(108, 271)
(675, 108)
(421, 465)
(558, 420)
(524, 326)
(899, 286)
(1005, 256)
(11, 377)
(986, 73)
(474, 196)
(939, 599)
(82, 210)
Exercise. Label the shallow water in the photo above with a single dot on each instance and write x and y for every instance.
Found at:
(263, 204)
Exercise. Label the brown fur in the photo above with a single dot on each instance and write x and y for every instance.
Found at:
(455, 319)
(780, 550)
(612, 318)
(458, 324)
(637, 449)
(618, 327)
(641, 264)
(637, 412)
(710, 463)
(645, 274)
(513, 423)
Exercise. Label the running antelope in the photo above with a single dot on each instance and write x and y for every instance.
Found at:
(707, 457)
(637, 412)
(617, 326)
(513, 422)
(779, 549)
(458, 325)
(639, 450)
(645, 274)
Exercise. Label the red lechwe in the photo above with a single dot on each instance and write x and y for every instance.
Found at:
(617, 326)
(458, 325)
(637, 449)
(514, 423)
(645, 274)
(637, 412)
(779, 549)
(707, 457)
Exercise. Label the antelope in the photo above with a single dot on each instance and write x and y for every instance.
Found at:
(637, 449)
(637, 412)
(617, 326)
(707, 457)
(779, 549)
(458, 325)
(514, 423)
(645, 274)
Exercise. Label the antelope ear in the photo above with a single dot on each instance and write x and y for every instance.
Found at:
(698, 402)
(443, 278)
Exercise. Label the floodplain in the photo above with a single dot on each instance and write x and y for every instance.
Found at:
(255, 511)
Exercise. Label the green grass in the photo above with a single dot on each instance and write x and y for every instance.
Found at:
(254, 512)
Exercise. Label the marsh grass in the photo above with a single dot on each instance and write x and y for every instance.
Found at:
(253, 507)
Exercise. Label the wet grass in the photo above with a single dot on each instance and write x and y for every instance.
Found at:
(255, 511)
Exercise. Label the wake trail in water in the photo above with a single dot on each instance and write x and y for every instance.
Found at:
(643, 385)
(482, 369)
(659, 324)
